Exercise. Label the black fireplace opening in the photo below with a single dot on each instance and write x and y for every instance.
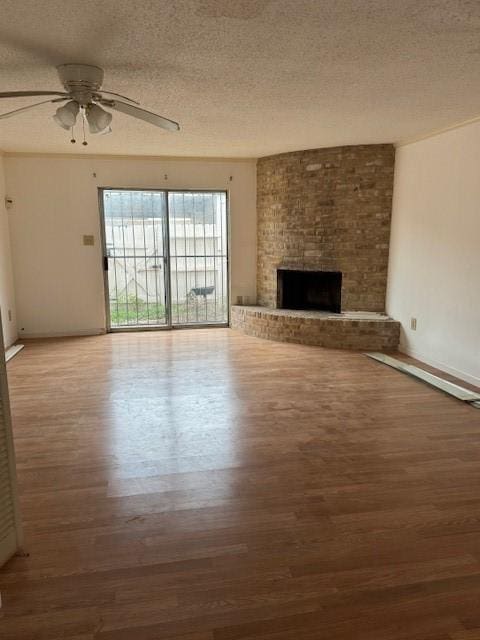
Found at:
(309, 290)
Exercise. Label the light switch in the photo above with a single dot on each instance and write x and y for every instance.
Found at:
(88, 241)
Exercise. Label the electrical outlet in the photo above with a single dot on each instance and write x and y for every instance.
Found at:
(413, 324)
(88, 241)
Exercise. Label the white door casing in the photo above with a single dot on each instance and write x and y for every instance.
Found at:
(10, 531)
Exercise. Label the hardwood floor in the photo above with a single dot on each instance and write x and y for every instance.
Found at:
(202, 485)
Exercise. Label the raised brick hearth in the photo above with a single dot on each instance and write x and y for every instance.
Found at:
(366, 332)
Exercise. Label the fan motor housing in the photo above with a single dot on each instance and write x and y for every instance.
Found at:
(80, 80)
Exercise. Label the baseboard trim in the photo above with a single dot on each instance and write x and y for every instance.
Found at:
(12, 351)
(418, 355)
(64, 334)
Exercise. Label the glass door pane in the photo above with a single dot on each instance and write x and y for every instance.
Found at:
(198, 257)
(135, 232)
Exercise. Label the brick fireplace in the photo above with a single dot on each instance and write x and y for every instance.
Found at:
(323, 229)
(327, 210)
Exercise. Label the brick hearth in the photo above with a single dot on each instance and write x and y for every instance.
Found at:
(367, 332)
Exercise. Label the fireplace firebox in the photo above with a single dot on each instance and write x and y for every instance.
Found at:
(309, 290)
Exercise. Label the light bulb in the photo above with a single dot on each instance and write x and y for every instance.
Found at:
(98, 119)
(66, 116)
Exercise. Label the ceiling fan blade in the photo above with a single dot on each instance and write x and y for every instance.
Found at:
(142, 114)
(119, 95)
(23, 94)
(29, 106)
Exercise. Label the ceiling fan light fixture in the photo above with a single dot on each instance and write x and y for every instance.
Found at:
(66, 116)
(98, 119)
(83, 95)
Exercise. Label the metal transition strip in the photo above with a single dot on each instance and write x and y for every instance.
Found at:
(465, 395)
(12, 351)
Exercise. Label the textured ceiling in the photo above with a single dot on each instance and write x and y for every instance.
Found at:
(247, 78)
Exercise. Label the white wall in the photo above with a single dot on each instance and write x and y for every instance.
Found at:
(7, 296)
(58, 281)
(434, 269)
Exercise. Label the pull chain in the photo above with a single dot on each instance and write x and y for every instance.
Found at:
(73, 141)
(83, 125)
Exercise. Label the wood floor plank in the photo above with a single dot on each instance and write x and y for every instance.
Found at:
(204, 485)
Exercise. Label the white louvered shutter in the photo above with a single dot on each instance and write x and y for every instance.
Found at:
(9, 519)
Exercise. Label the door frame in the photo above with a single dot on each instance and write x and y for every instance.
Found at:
(168, 298)
(12, 543)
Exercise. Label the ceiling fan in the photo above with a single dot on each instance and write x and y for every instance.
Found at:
(83, 95)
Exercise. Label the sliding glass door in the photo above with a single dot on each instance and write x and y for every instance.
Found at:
(165, 257)
(198, 257)
(135, 224)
